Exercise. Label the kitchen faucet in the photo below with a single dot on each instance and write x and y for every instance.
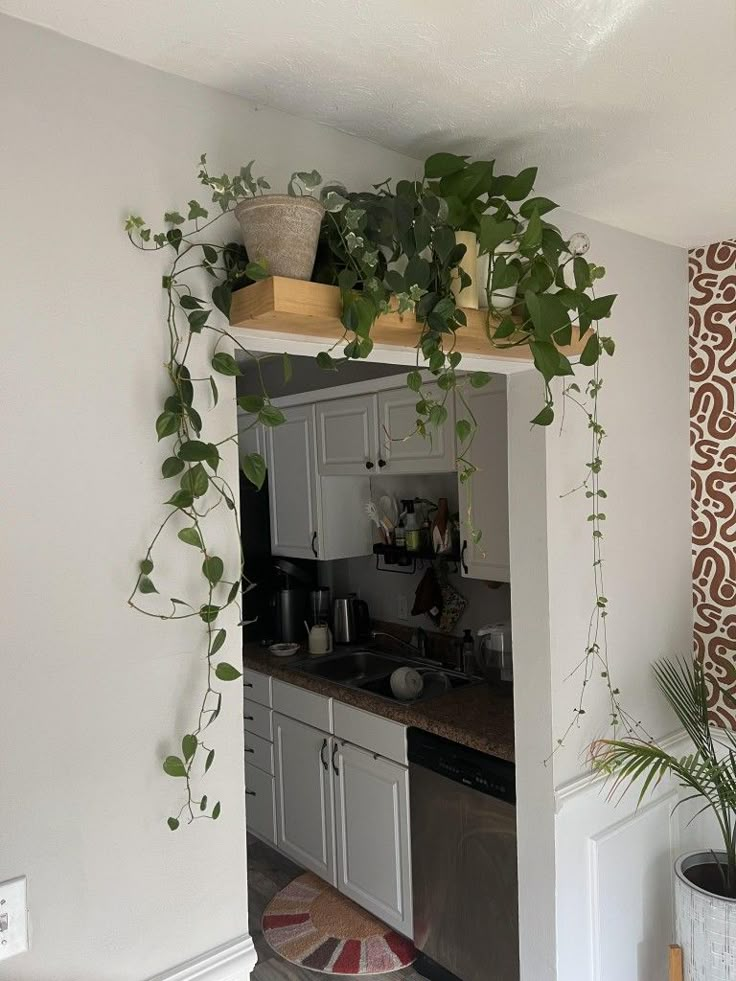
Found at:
(419, 648)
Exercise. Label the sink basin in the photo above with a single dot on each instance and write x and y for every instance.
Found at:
(371, 672)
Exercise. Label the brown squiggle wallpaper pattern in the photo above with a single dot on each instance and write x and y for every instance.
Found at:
(713, 469)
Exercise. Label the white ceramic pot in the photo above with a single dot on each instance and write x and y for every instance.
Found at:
(467, 297)
(705, 924)
(501, 300)
(282, 231)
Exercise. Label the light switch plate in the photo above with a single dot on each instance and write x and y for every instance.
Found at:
(13, 918)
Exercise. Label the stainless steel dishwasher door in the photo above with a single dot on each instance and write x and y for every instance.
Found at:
(464, 878)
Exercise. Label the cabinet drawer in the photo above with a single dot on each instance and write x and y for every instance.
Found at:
(260, 803)
(258, 752)
(257, 686)
(370, 731)
(257, 719)
(305, 706)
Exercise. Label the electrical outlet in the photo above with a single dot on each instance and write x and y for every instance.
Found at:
(402, 609)
(13, 918)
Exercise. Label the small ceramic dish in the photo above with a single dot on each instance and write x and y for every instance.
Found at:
(283, 650)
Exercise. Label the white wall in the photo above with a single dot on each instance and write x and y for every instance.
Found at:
(91, 694)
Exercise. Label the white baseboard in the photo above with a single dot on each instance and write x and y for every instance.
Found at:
(231, 961)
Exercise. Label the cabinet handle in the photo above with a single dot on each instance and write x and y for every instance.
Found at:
(249, 749)
(248, 718)
(250, 793)
(463, 563)
(381, 464)
(334, 754)
(369, 464)
(247, 684)
(314, 544)
(322, 753)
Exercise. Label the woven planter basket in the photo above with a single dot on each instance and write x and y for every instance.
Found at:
(705, 925)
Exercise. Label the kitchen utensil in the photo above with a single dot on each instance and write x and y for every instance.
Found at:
(494, 655)
(406, 683)
(370, 510)
(320, 639)
(283, 650)
(387, 510)
(350, 619)
(319, 605)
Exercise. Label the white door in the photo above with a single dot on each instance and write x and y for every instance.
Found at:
(304, 795)
(346, 436)
(400, 446)
(372, 829)
(484, 499)
(292, 485)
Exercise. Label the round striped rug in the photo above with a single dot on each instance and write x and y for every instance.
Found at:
(310, 924)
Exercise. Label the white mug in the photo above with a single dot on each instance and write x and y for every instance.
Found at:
(320, 639)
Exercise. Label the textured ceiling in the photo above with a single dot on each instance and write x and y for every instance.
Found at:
(628, 106)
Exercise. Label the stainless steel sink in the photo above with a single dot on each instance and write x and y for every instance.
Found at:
(371, 672)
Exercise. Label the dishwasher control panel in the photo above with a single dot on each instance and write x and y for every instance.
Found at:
(486, 774)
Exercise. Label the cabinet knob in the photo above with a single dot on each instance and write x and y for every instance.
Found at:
(369, 464)
(381, 464)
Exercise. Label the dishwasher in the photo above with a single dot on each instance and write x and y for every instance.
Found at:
(463, 847)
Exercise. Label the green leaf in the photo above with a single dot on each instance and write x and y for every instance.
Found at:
(581, 271)
(195, 481)
(548, 313)
(414, 381)
(218, 641)
(463, 428)
(210, 254)
(546, 358)
(213, 568)
(545, 417)
(191, 536)
(146, 586)
(173, 218)
(601, 306)
(167, 424)
(288, 369)
(251, 403)
(196, 211)
(418, 272)
(171, 467)
(215, 393)
(532, 237)
(271, 416)
(225, 364)
(181, 499)
(234, 590)
(209, 612)
(146, 566)
(210, 760)
(193, 451)
(222, 297)
(479, 379)
(173, 237)
(216, 811)
(174, 767)
(173, 823)
(540, 205)
(189, 302)
(493, 233)
(506, 328)
(197, 319)
(444, 242)
(254, 468)
(325, 362)
(257, 270)
(520, 186)
(608, 344)
(226, 672)
(189, 746)
(213, 456)
(443, 164)
(437, 415)
(203, 803)
(591, 351)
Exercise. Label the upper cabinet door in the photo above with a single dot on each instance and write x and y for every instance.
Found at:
(304, 802)
(484, 499)
(372, 829)
(346, 436)
(292, 485)
(401, 448)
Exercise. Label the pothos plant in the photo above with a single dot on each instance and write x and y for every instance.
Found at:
(391, 248)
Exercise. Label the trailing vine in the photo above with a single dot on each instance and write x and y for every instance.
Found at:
(387, 250)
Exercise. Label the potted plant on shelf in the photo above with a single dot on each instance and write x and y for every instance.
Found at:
(705, 881)
(280, 231)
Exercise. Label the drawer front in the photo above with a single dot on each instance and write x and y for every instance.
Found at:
(258, 752)
(257, 719)
(257, 686)
(304, 706)
(372, 732)
(260, 803)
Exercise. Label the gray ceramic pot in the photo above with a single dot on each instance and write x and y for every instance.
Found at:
(282, 231)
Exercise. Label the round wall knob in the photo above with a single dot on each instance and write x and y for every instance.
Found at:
(381, 464)
(369, 465)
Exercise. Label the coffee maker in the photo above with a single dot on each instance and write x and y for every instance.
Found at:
(290, 601)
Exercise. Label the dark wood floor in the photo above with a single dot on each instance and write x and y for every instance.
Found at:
(268, 872)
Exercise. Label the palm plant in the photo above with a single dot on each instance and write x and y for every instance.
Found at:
(708, 773)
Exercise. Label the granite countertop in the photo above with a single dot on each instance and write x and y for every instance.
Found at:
(477, 716)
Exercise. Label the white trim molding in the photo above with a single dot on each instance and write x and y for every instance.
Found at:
(231, 961)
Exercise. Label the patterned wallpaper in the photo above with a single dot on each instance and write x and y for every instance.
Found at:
(713, 455)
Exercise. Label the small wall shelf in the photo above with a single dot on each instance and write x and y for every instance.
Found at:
(312, 311)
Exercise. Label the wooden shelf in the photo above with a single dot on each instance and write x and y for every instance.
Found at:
(312, 310)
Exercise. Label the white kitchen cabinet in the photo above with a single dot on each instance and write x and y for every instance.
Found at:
(305, 828)
(484, 499)
(401, 447)
(260, 805)
(372, 831)
(347, 440)
(251, 438)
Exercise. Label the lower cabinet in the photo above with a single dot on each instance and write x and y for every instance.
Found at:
(260, 803)
(372, 832)
(305, 827)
